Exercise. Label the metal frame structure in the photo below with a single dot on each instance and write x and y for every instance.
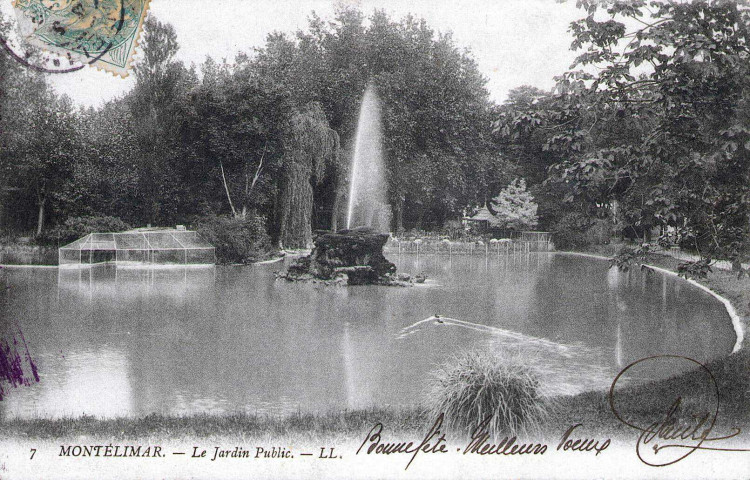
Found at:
(139, 248)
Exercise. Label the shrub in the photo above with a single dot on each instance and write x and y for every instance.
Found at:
(477, 385)
(572, 231)
(77, 227)
(236, 240)
(699, 269)
(628, 257)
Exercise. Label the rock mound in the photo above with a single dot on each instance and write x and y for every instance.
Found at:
(347, 257)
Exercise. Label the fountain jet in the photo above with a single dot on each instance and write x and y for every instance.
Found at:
(367, 189)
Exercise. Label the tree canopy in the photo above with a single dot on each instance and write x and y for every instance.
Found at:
(650, 128)
(652, 117)
(214, 139)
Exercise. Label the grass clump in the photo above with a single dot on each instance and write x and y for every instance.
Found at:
(478, 385)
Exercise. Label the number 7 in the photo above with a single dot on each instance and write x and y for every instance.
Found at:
(33, 452)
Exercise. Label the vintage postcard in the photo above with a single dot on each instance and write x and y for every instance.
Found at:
(374, 239)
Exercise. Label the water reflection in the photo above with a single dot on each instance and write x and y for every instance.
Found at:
(111, 342)
(85, 382)
(111, 281)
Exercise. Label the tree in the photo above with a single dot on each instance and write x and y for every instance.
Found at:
(311, 150)
(233, 134)
(157, 107)
(514, 207)
(251, 137)
(37, 141)
(687, 166)
(653, 117)
(103, 180)
(40, 141)
(436, 110)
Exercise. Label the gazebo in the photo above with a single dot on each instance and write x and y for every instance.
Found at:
(480, 220)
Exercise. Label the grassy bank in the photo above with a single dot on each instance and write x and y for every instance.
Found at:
(648, 403)
(349, 424)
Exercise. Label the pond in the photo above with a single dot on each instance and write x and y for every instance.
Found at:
(117, 342)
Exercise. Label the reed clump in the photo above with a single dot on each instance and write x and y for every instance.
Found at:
(477, 385)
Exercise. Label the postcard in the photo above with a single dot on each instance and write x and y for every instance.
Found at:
(374, 239)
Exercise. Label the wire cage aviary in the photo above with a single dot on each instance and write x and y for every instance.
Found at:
(139, 248)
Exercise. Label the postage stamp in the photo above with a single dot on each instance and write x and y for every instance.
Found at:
(101, 33)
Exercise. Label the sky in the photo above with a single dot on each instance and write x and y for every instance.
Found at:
(515, 42)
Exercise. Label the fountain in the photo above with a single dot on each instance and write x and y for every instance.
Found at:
(355, 256)
(367, 190)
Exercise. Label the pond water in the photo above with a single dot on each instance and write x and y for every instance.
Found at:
(117, 342)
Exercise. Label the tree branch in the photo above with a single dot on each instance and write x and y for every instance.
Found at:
(226, 188)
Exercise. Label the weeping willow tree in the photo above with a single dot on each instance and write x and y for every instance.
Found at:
(311, 152)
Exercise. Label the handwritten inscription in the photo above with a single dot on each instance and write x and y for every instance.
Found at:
(683, 428)
(480, 443)
(568, 442)
(433, 442)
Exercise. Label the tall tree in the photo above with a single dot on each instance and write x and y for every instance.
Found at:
(311, 149)
(39, 141)
(514, 207)
(157, 108)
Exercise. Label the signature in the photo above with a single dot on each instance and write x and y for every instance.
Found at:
(684, 427)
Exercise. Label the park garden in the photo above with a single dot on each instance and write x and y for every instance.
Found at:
(644, 138)
(641, 150)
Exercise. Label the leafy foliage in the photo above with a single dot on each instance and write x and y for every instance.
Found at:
(185, 143)
(627, 257)
(653, 118)
(236, 240)
(649, 128)
(312, 151)
(76, 227)
(436, 110)
(699, 269)
(571, 231)
(34, 158)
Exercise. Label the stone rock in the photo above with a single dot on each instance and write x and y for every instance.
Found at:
(355, 256)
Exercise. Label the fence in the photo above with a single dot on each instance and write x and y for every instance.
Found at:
(445, 247)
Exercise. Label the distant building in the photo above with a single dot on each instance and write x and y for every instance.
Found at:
(480, 221)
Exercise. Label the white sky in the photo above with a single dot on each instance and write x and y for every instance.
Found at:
(515, 42)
